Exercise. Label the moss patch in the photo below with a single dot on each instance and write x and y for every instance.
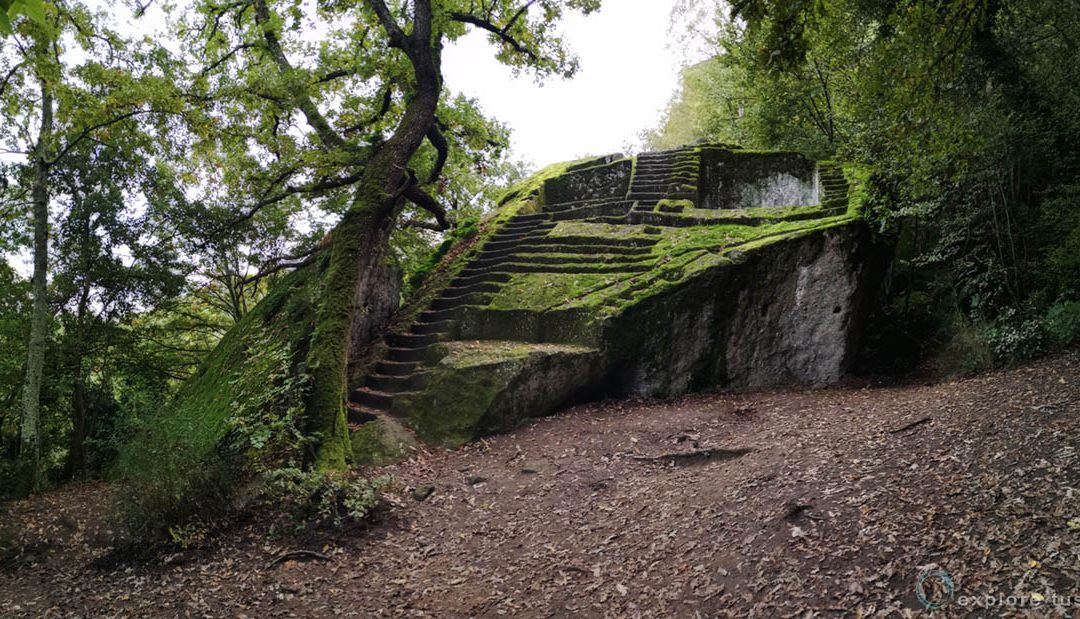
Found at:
(381, 442)
(484, 387)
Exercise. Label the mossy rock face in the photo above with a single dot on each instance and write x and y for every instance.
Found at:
(785, 313)
(481, 388)
(381, 442)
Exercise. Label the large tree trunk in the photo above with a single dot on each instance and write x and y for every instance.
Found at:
(30, 439)
(360, 248)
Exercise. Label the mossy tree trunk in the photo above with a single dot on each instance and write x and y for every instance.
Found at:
(29, 427)
(361, 241)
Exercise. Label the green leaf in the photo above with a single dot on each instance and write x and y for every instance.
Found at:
(5, 24)
(34, 9)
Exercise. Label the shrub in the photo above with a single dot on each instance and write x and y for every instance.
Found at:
(1063, 323)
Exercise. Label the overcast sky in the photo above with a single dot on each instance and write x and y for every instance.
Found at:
(628, 74)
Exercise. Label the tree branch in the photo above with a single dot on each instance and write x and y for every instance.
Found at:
(388, 98)
(312, 256)
(524, 9)
(10, 74)
(420, 198)
(318, 122)
(225, 58)
(501, 33)
(439, 142)
(423, 225)
(393, 30)
(85, 133)
(320, 186)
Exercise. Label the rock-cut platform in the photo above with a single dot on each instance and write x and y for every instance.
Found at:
(692, 269)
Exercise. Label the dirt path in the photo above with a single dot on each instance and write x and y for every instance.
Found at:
(844, 498)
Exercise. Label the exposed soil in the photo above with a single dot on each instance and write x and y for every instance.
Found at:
(804, 503)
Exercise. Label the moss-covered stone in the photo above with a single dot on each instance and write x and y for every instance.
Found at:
(606, 180)
(480, 388)
(381, 442)
(648, 298)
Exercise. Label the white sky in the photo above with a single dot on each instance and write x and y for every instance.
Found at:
(627, 75)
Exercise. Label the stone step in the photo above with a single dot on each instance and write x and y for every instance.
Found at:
(525, 225)
(405, 355)
(520, 228)
(358, 415)
(657, 175)
(435, 316)
(396, 368)
(508, 241)
(424, 328)
(650, 188)
(502, 237)
(530, 217)
(609, 219)
(467, 299)
(592, 240)
(580, 267)
(562, 206)
(599, 247)
(530, 229)
(412, 340)
(372, 399)
(592, 211)
(456, 291)
(388, 384)
(581, 258)
(464, 281)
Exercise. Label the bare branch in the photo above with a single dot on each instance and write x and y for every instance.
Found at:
(520, 12)
(423, 225)
(280, 266)
(10, 74)
(323, 185)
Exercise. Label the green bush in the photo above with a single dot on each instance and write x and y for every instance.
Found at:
(1015, 336)
(312, 497)
(1063, 323)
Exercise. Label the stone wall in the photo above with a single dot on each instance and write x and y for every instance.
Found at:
(603, 181)
(732, 179)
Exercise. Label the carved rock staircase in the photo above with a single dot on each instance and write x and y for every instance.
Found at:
(524, 245)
